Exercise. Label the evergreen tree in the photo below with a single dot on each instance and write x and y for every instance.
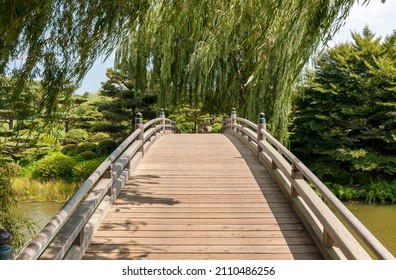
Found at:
(122, 103)
(345, 116)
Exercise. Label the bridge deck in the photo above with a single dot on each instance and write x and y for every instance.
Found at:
(201, 196)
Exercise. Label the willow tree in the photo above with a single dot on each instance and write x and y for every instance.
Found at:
(224, 53)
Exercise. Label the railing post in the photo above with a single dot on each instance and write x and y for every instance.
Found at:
(261, 124)
(139, 125)
(162, 116)
(6, 252)
(295, 174)
(233, 119)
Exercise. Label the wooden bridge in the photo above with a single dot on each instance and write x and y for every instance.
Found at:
(235, 195)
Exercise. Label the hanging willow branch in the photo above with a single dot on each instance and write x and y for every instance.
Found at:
(220, 53)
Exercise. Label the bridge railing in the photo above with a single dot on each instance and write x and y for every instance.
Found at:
(318, 213)
(68, 234)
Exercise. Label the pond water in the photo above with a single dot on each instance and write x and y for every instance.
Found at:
(380, 220)
(40, 212)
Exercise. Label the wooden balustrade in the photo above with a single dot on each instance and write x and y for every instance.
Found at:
(68, 233)
(331, 236)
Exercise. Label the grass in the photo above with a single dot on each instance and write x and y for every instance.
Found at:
(27, 189)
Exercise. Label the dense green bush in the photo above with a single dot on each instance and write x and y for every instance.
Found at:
(86, 146)
(82, 170)
(99, 136)
(54, 166)
(216, 127)
(76, 136)
(10, 218)
(106, 147)
(380, 191)
(69, 150)
(87, 155)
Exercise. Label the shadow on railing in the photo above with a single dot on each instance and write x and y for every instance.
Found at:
(68, 234)
(333, 239)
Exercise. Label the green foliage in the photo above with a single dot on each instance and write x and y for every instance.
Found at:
(54, 166)
(70, 149)
(28, 189)
(381, 191)
(193, 120)
(86, 146)
(10, 220)
(99, 136)
(87, 155)
(345, 115)
(244, 54)
(82, 170)
(75, 136)
(121, 102)
(106, 147)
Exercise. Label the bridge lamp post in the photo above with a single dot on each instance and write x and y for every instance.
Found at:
(261, 125)
(233, 119)
(162, 116)
(6, 252)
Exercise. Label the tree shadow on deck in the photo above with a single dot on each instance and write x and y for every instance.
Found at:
(298, 239)
(133, 194)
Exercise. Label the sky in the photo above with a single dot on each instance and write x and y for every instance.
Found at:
(380, 17)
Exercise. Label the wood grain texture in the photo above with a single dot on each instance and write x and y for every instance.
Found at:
(201, 196)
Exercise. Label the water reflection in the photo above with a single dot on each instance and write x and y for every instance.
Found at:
(40, 212)
(380, 220)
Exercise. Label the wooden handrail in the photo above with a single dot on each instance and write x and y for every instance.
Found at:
(90, 194)
(292, 176)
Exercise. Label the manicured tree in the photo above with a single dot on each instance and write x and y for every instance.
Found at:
(345, 116)
(123, 102)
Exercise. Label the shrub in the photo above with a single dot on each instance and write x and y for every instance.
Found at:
(82, 170)
(69, 149)
(99, 136)
(87, 155)
(216, 127)
(106, 147)
(54, 166)
(381, 191)
(76, 136)
(87, 146)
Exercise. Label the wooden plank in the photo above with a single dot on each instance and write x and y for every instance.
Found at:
(205, 232)
(133, 228)
(247, 249)
(201, 196)
(199, 215)
(261, 241)
(199, 256)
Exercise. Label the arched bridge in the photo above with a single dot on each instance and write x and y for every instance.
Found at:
(235, 195)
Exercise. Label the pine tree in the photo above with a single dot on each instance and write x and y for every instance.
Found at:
(123, 102)
(345, 116)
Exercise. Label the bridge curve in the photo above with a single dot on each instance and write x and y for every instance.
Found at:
(236, 195)
(201, 196)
